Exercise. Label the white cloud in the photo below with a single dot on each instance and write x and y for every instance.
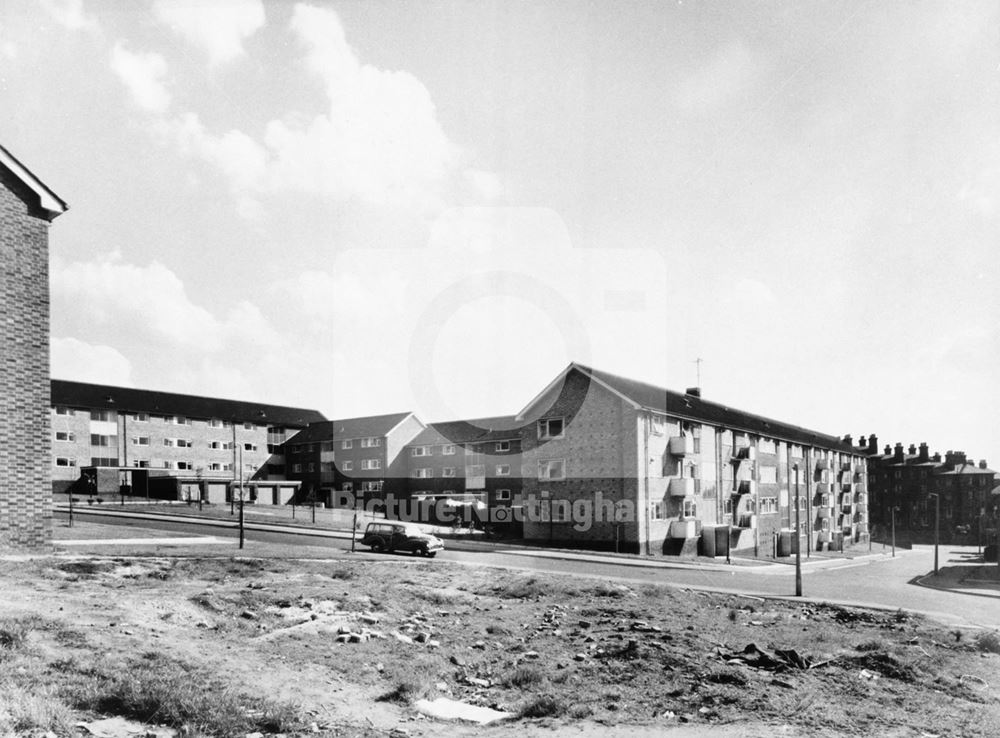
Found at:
(85, 362)
(378, 141)
(143, 74)
(219, 27)
(70, 13)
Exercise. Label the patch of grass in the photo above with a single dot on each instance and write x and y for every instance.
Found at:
(523, 677)
(606, 589)
(523, 588)
(988, 641)
(887, 665)
(579, 712)
(344, 573)
(86, 568)
(33, 713)
(161, 690)
(543, 706)
(13, 635)
(404, 693)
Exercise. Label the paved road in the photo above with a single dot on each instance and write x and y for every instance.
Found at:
(880, 580)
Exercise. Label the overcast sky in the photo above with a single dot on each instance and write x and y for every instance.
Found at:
(365, 207)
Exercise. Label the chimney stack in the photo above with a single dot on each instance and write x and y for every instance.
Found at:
(693, 391)
(913, 450)
(873, 444)
(848, 440)
(936, 458)
(924, 452)
(982, 464)
(898, 456)
(888, 450)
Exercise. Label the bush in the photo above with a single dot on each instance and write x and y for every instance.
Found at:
(988, 642)
(543, 706)
(523, 677)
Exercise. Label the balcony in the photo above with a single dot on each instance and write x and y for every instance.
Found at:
(747, 520)
(476, 482)
(861, 498)
(682, 486)
(846, 477)
(822, 464)
(744, 453)
(822, 488)
(326, 456)
(681, 445)
(746, 487)
(823, 513)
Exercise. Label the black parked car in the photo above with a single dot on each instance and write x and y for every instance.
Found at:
(390, 537)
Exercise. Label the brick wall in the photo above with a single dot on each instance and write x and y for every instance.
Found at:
(25, 482)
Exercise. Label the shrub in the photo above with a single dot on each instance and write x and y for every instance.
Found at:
(989, 641)
(542, 706)
(523, 677)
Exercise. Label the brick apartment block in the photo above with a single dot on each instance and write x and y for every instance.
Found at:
(360, 459)
(177, 446)
(27, 207)
(609, 462)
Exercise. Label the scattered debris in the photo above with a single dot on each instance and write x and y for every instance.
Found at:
(444, 708)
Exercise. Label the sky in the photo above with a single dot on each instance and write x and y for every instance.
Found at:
(367, 207)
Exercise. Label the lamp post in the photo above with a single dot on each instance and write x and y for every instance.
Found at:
(241, 498)
(892, 512)
(937, 527)
(798, 538)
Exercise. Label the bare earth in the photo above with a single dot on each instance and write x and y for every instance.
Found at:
(581, 657)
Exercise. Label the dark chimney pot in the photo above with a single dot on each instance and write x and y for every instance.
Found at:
(923, 452)
(982, 464)
(693, 391)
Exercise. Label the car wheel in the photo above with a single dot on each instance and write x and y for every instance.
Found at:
(378, 547)
(422, 551)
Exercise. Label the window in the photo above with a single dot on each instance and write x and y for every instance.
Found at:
(448, 450)
(214, 423)
(421, 451)
(65, 436)
(347, 444)
(215, 466)
(141, 417)
(552, 469)
(62, 410)
(371, 463)
(185, 465)
(296, 468)
(326, 446)
(214, 444)
(249, 447)
(371, 442)
(105, 441)
(248, 426)
(140, 463)
(62, 461)
(168, 465)
(475, 470)
(658, 511)
(347, 466)
(312, 466)
(768, 504)
(140, 440)
(371, 486)
(502, 494)
(658, 424)
(690, 509)
(102, 416)
(549, 428)
(448, 471)
(347, 487)
(168, 442)
(182, 443)
(423, 473)
(503, 470)
(503, 445)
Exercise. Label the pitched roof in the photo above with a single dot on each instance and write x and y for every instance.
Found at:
(48, 201)
(127, 399)
(690, 407)
(371, 425)
(467, 431)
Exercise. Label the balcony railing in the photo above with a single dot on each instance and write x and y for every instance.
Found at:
(681, 445)
(682, 486)
(822, 464)
(744, 453)
(746, 487)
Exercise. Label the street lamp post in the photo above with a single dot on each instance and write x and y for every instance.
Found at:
(892, 513)
(798, 538)
(241, 498)
(937, 527)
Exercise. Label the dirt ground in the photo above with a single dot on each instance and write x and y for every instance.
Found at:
(347, 647)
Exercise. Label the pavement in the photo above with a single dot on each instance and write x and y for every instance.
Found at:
(749, 565)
